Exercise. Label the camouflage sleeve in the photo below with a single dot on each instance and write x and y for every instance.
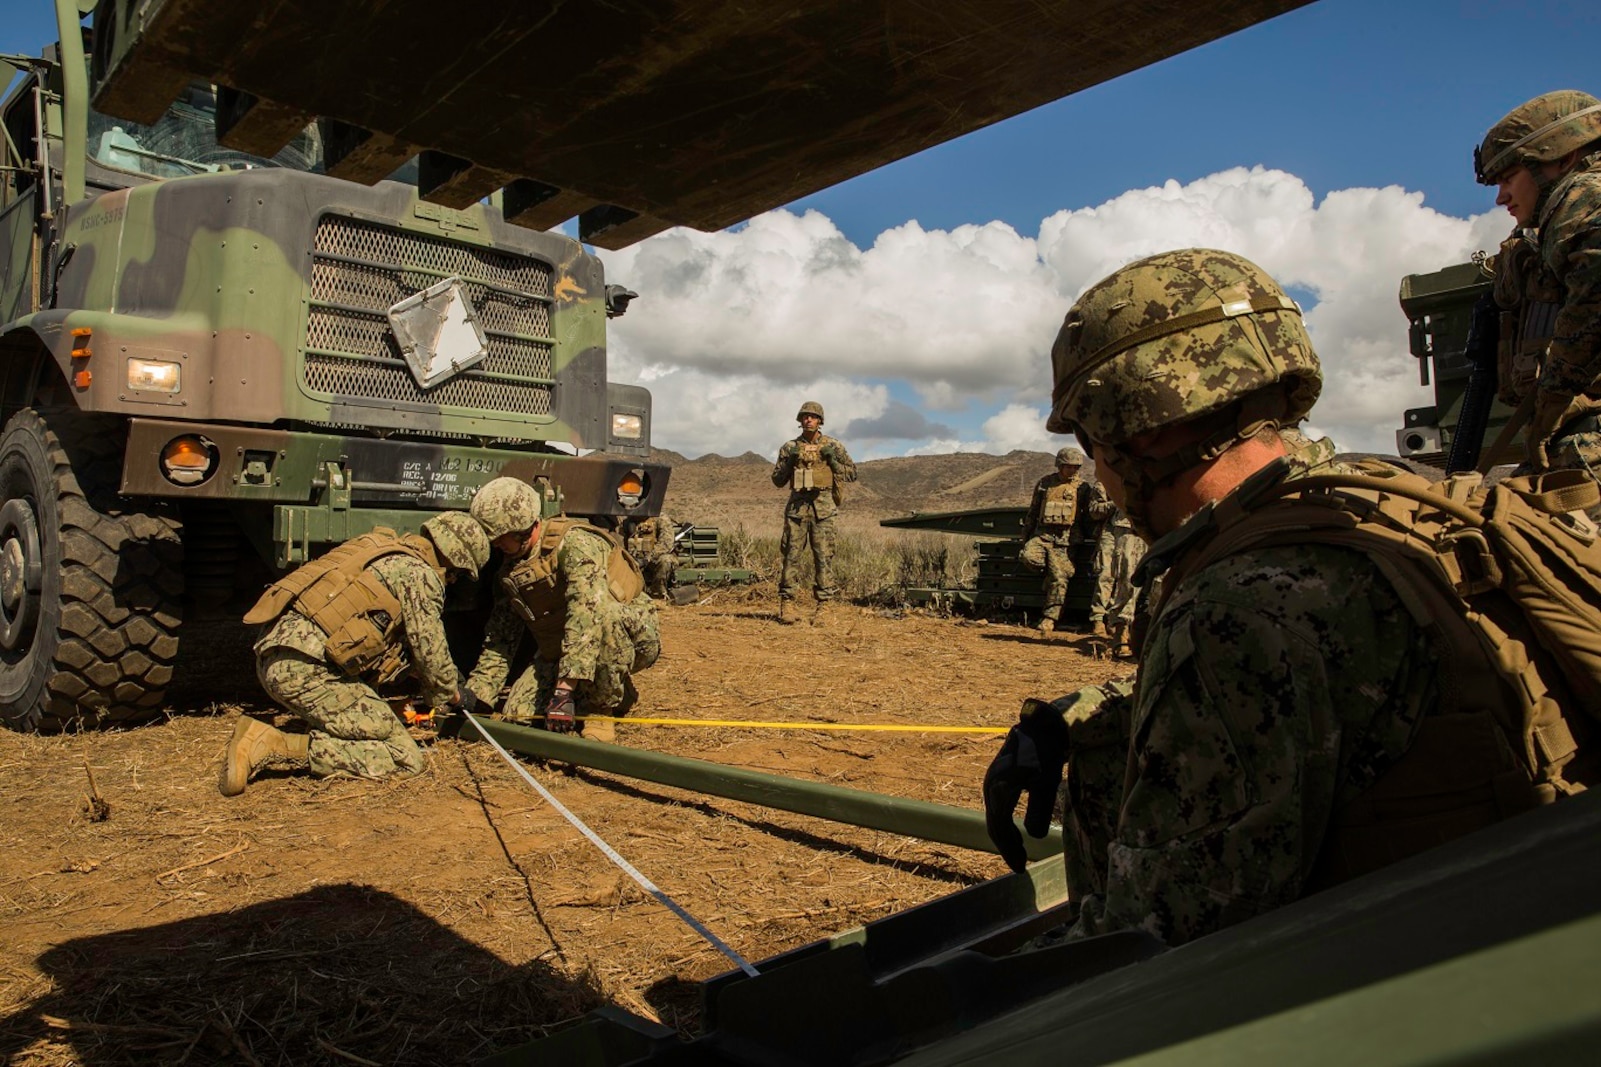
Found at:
(840, 462)
(422, 606)
(503, 633)
(785, 467)
(1036, 505)
(1095, 504)
(583, 566)
(1570, 244)
(1280, 689)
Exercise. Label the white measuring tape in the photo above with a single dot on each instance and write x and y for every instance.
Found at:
(610, 853)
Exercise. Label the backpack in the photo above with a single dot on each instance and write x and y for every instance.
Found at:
(1506, 579)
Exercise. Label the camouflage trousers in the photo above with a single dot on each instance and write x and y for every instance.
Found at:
(1050, 553)
(658, 572)
(1105, 579)
(1098, 726)
(1127, 553)
(354, 732)
(628, 641)
(809, 522)
(1577, 452)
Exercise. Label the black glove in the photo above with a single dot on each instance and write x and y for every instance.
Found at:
(456, 713)
(1030, 761)
(560, 711)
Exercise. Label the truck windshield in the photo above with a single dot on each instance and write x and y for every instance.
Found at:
(184, 141)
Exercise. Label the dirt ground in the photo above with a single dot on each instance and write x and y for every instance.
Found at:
(440, 919)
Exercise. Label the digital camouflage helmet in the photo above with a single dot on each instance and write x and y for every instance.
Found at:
(506, 505)
(1543, 130)
(1069, 457)
(811, 407)
(460, 541)
(1194, 336)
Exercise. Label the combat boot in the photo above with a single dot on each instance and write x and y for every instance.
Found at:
(1098, 628)
(1046, 625)
(254, 743)
(821, 612)
(786, 610)
(600, 730)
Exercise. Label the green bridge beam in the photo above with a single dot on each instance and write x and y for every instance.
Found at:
(943, 823)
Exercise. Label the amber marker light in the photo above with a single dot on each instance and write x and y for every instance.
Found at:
(80, 342)
(631, 489)
(188, 460)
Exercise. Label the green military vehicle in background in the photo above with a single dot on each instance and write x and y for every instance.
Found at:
(217, 361)
(1459, 362)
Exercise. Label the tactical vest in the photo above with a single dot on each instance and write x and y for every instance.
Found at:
(538, 590)
(1529, 298)
(811, 469)
(1060, 507)
(350, 604)
(1506, 584)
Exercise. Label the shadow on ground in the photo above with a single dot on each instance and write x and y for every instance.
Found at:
(340, 974)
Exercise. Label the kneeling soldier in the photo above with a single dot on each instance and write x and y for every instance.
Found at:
(582, 597)
(359, 617)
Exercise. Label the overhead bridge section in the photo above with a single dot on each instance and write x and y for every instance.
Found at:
(633, 115)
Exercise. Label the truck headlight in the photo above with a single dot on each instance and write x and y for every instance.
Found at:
(154, 376)
(627, 427)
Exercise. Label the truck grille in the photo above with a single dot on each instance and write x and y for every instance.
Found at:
(359, 270)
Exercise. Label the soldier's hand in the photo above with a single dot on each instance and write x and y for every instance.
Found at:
(828, 453)
(560, 712)
(1030, 761)
(786, 450)
(1549, 407)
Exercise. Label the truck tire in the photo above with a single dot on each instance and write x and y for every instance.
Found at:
(90, 589)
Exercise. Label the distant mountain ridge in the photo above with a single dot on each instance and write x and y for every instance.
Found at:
(720, 491)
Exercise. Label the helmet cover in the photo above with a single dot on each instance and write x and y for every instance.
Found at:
(1542, 130)
(460, 540)
(506, 505)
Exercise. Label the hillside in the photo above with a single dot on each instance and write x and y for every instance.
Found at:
(719, 491)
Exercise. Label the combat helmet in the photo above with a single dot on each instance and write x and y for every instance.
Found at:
(1195, 335)
(460, 540)
(811, 407)
(1069, 457)
(1542, 130)
(506, 505)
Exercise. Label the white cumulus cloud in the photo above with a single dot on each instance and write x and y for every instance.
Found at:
(734, 329)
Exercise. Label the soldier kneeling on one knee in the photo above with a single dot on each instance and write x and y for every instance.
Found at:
(365, 615)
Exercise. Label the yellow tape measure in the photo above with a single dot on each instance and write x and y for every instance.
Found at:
(745, 724)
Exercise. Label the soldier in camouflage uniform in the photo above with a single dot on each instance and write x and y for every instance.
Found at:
(813, 467)
(1128, 549)
(650, 542)
(1057, 512)
(582, 598)
(1280, 684)
(1095, 525)
(364, 615)
(1544, 157)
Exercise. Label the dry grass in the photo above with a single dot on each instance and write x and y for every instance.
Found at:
(442, 918)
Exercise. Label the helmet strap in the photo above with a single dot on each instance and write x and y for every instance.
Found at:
(1144, 476)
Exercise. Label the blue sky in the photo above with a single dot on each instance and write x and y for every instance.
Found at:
(1332, 145)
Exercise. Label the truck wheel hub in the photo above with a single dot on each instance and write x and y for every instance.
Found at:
(20, 570)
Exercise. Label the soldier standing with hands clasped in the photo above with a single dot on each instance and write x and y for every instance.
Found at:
(812, 467)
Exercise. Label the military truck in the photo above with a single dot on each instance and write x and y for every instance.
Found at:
(214, 363)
